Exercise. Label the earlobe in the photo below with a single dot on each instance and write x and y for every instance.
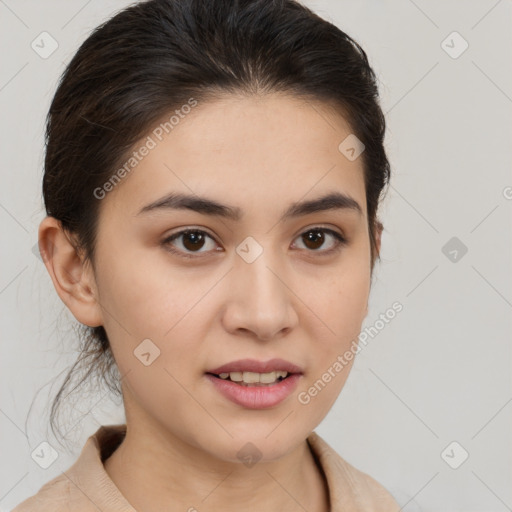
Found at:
(72, 278)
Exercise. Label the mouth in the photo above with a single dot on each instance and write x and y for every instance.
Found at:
(251, 372)
(254, 384)
(253, 378)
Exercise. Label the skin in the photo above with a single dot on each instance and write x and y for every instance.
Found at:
(260, 154)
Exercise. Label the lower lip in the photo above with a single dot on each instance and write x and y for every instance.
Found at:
(256, 397)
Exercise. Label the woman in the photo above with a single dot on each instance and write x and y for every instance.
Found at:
(212, 177)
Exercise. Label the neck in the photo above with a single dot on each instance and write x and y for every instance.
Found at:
(184, 477)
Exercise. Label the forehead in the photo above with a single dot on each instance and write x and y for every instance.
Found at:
(255, 150)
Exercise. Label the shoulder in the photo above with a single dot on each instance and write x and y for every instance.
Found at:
(85, 486)
(349, 486)
(57, 495)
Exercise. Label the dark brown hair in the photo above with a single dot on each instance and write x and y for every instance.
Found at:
(150, 59)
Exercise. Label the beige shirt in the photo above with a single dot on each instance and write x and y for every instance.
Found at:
(87, 487)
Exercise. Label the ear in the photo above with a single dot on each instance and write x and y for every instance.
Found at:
(73, 280)
(378, 235)
(379, 227)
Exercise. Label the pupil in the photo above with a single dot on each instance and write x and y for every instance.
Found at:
(317, 237)
(197, 240)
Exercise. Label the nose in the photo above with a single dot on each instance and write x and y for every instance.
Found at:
(259, 300)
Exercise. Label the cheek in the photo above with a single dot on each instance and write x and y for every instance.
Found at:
(348, 305)
(340, 300)
(149, 298)
(340, 309)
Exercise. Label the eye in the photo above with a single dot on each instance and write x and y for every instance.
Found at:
(193, 240)
(315, 237)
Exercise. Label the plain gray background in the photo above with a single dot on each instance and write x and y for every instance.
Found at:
(439, 372)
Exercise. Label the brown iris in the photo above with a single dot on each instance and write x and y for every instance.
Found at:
(314, 237)
(196, 240)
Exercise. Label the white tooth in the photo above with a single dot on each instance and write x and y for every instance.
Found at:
(251, 377)
(254, 377)
(267, 378)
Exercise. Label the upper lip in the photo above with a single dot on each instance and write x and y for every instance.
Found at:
(253, 365)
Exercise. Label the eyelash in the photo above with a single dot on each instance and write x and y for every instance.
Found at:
(340, 241)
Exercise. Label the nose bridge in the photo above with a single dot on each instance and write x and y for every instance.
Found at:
(259, 300)
(262, 285)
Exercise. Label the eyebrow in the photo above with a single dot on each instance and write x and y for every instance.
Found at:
(206, 206)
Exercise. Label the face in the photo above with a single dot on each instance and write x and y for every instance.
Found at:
(259, 286)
